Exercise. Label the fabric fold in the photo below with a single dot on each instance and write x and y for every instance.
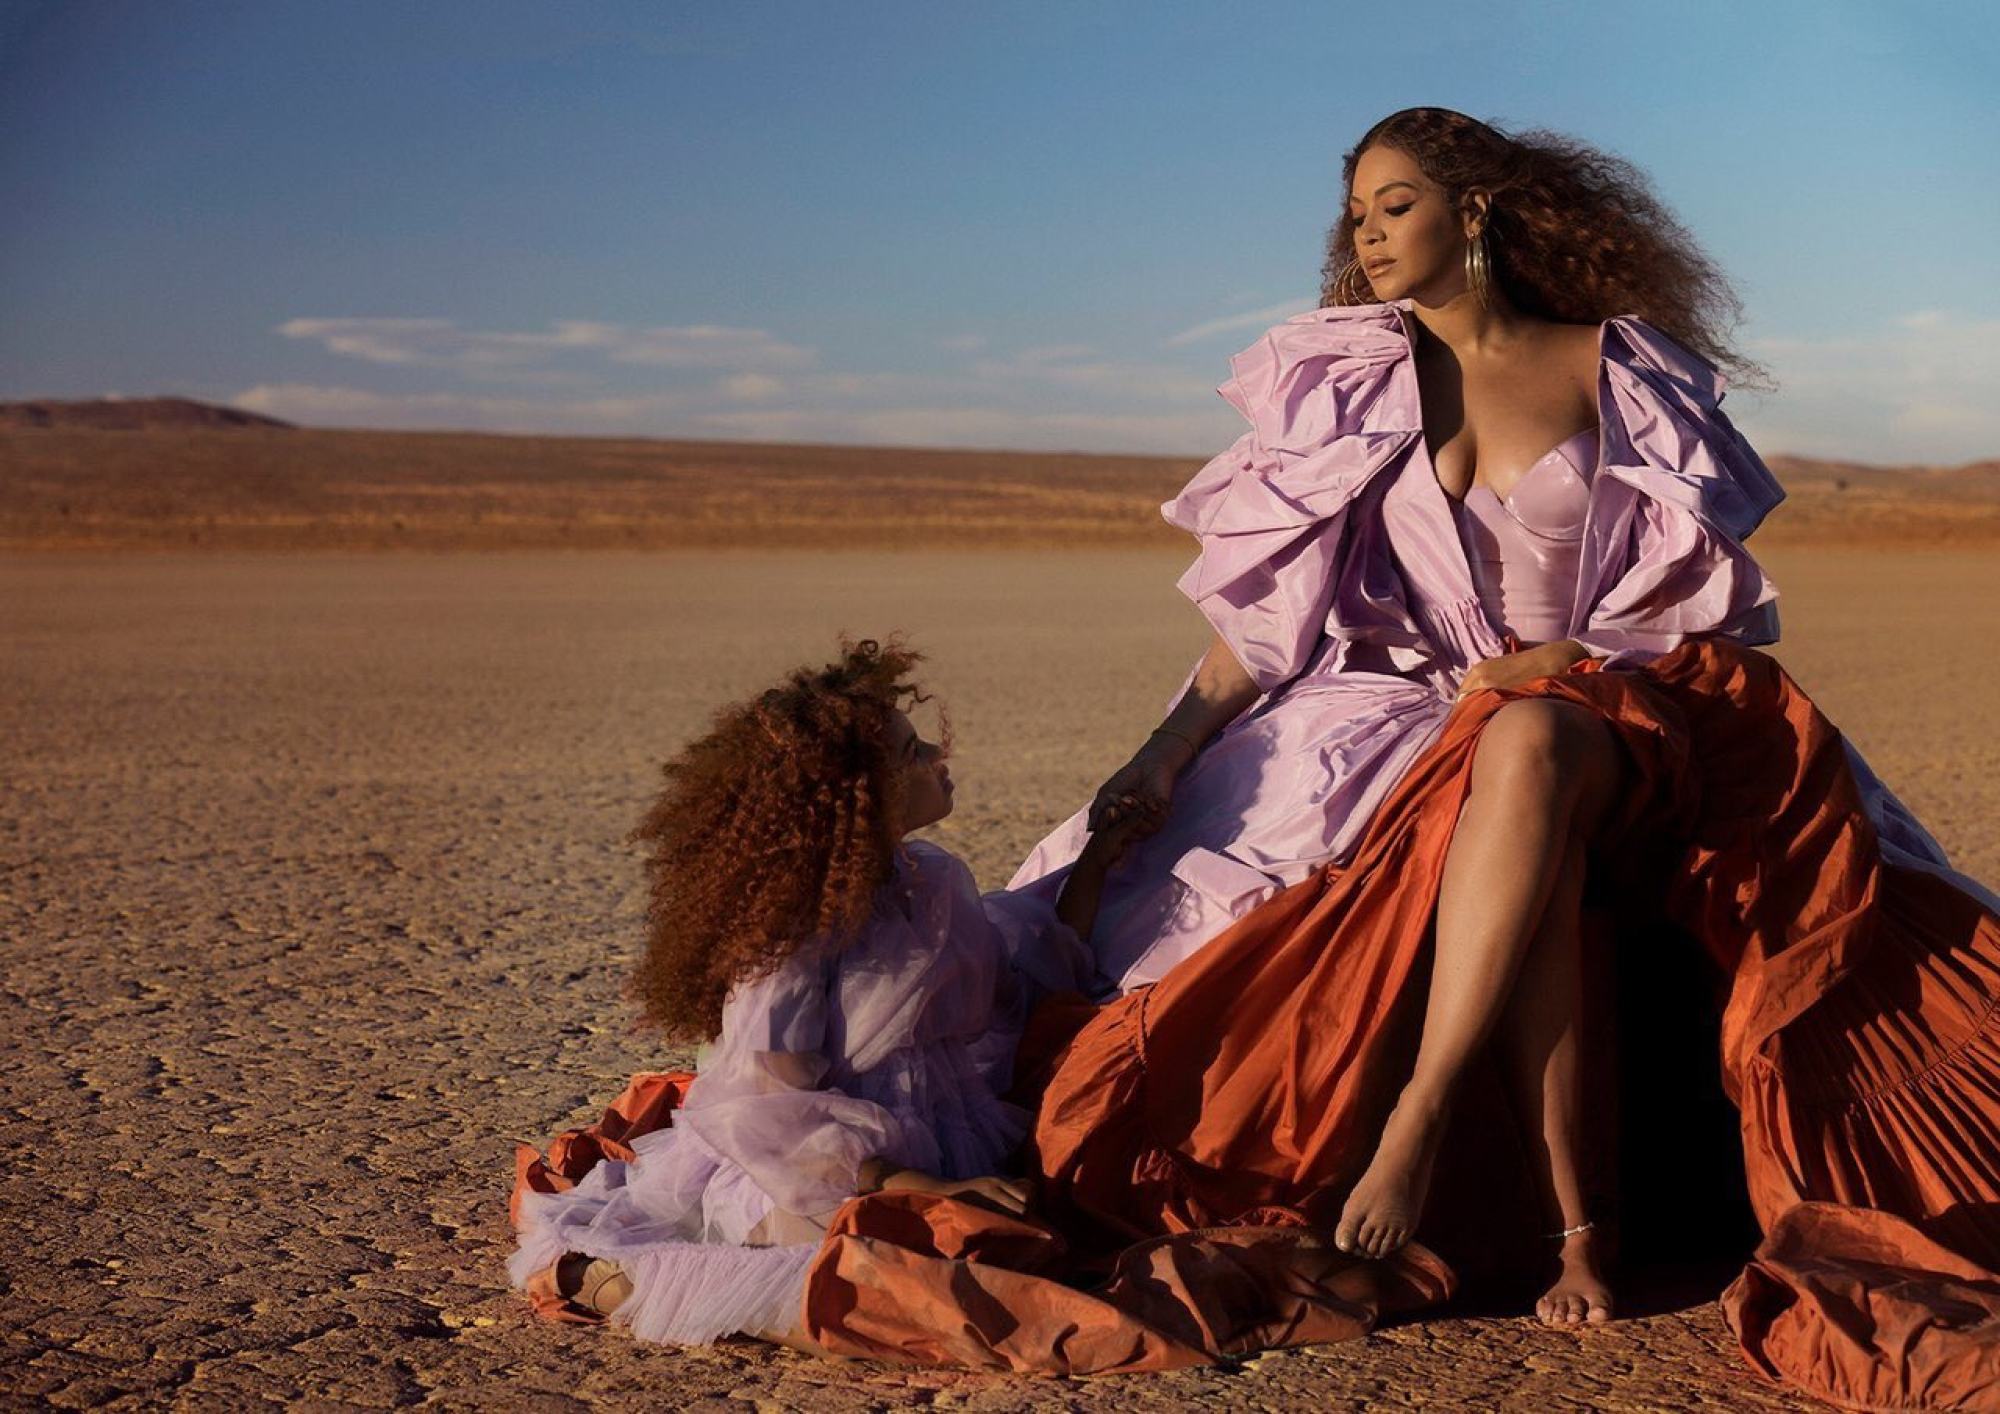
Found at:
(925, 1280)
(1860, 1039)
(1677, 491)
(1327, 415)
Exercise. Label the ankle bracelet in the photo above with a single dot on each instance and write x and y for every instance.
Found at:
(1572, 1231)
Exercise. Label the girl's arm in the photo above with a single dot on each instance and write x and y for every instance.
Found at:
(1077, 904)
(1010, 1194)
(764, 1105)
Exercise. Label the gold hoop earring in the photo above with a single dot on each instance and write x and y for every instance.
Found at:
(1479, 269)
(1346, 289)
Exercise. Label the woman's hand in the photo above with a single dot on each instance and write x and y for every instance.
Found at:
(1543, 660)
(1008, 1194)
(1141, 790)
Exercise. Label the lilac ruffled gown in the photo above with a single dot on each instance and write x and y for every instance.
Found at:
(1356, 592)
(898, 1046)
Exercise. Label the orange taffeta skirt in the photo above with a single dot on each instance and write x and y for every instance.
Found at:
(1196, 1139)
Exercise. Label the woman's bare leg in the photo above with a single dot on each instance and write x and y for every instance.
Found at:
(1543, 774)
(1539, 1042)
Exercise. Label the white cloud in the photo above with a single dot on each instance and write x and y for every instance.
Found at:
(319, 405)
(750, 387)
(963, 343)
(1173, 434)
(1038, 355)
(1257, 319)
(1915, 389)
(1196, 429)
(1920, 389)
(1066, 366)
(440, 343)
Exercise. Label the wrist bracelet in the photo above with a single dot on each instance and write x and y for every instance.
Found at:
(1193, 745)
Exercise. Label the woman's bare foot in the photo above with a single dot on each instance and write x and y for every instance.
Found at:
(1382, 1211)
(1580, 1295)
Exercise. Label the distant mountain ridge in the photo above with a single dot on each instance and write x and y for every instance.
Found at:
(130, 414)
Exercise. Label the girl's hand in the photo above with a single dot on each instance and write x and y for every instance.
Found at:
(1008, 1194)
(1107, 846)
(1141, 790)
(1543, 660)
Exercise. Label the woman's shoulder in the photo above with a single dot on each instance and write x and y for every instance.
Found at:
(1329, 331)
(1666, 435)
(1635, 344)
(1321, 373)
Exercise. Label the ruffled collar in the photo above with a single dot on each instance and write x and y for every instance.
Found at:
(1359, 330)
(1332, 398)
(1333, 403)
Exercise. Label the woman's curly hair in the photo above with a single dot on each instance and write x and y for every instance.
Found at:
(1575, 234)
(776, 827)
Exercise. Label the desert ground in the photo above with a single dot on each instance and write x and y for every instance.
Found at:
(315, 901)
(177, 480)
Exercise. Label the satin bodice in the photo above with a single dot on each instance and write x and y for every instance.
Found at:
(1523, 548)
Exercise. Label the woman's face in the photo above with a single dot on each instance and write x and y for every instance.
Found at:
(1410, 240)
(925, 781)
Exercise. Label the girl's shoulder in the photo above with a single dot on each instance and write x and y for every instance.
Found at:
(925, 863)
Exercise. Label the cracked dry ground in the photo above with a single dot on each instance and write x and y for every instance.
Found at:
(315, 901)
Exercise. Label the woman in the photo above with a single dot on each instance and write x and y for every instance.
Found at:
(1423, 486)
(1482, 614)
(1538, 291)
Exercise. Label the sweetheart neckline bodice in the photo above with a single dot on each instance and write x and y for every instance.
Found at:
(1550, 455)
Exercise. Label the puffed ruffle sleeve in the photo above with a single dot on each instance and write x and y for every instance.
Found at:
(1678, 491)
(1326, 414)
(761, 1101)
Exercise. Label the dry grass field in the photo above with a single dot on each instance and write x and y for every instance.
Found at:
(314, 902)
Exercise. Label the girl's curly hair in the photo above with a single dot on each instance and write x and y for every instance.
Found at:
(1575, 234)
(777, 826)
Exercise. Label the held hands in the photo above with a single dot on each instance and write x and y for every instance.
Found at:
(1543, 660)
(1140, 791)
(1076, 904)
(1107, 844)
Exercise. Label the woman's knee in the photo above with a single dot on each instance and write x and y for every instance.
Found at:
(1543, 745)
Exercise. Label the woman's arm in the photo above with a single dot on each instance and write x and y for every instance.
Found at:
(1218, 692)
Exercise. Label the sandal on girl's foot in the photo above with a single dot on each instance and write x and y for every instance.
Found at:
(593, 1282)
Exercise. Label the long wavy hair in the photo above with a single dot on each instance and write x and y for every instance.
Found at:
(1575, 234)
(775, 828)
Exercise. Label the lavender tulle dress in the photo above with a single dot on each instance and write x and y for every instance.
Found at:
(898, 1046)
(1356, 592)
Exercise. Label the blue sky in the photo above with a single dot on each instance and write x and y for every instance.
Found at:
(1033, 225)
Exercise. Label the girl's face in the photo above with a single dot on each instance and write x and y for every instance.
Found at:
(1409, 239)
(926, 783)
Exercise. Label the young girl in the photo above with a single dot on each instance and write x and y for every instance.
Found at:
(865, 1003)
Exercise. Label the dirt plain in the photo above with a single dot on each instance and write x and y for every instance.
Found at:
(315, 900)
